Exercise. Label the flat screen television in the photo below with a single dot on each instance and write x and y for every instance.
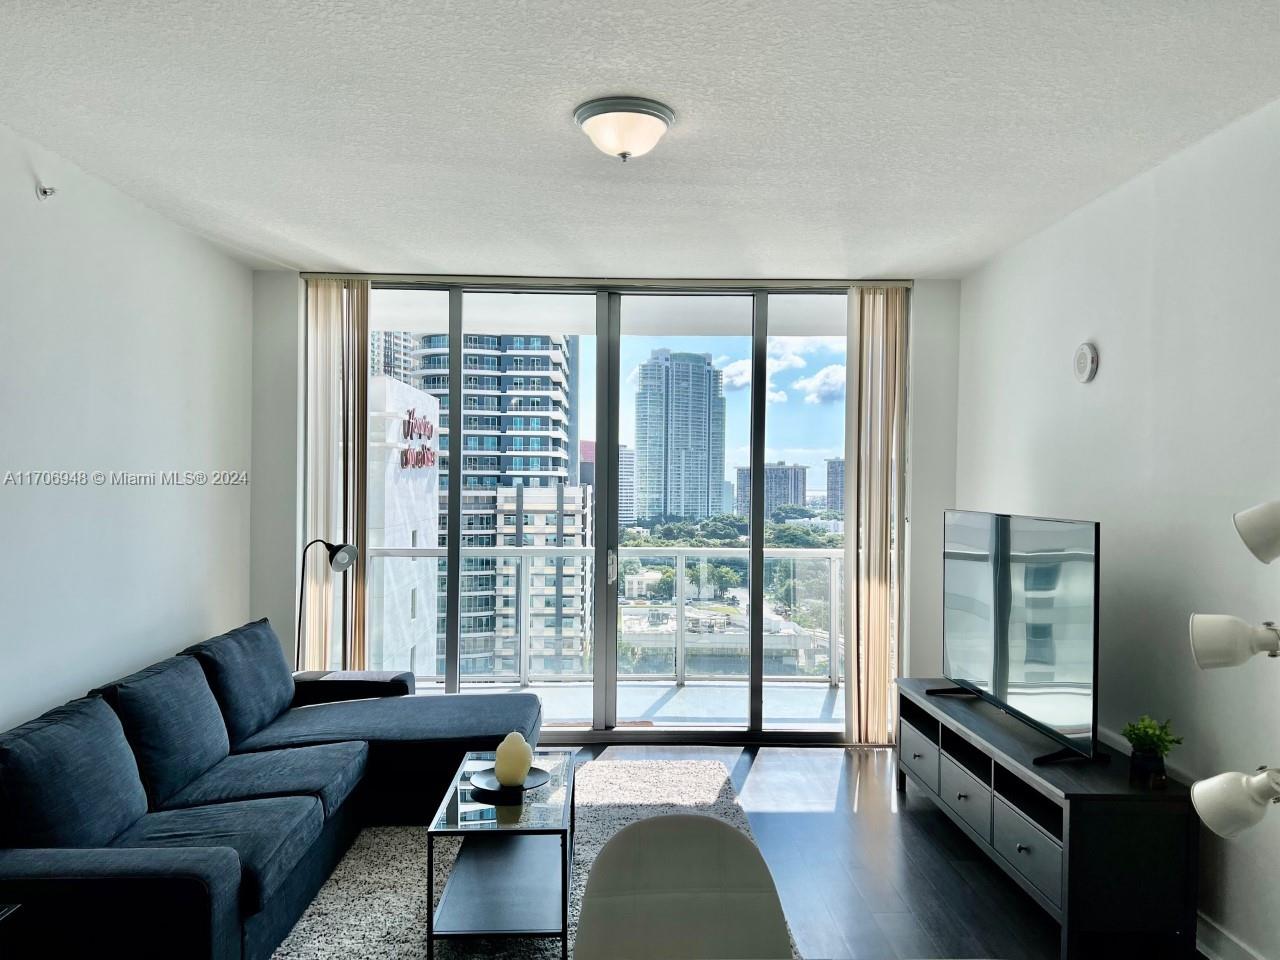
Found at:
(1020, 620)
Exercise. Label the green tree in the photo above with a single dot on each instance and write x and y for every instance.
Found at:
(795, 535)
(724, 578)
(791, 511)
(665, 588)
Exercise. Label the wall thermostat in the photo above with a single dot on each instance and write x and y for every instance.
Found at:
(1086, 362)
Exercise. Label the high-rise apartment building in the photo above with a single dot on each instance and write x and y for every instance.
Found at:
(679, 436)
(835, 484)
(519, 433)
(391, 353)
(626, 486)
(784, 483)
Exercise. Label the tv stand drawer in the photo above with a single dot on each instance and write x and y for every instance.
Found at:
(1029, 850)
(967, 796)
(919, 755)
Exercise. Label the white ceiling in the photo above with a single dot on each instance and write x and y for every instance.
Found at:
(814, 138)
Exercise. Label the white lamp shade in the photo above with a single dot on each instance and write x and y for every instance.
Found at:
(1231, 803)
(624, 134)
(1259, 528)
(1220, 640)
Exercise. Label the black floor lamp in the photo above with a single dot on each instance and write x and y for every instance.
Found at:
(341, 556)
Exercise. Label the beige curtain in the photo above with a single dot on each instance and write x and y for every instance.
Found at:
(337, 382)
(874, 505)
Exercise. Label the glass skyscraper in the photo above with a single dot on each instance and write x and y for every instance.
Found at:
(679, 436)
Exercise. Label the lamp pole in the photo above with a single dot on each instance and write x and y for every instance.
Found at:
(341, 556)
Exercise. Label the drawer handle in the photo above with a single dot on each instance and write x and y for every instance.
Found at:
(1023, 848)
(962, 796)
(917, 756)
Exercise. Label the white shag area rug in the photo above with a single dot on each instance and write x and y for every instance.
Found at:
(375, 904)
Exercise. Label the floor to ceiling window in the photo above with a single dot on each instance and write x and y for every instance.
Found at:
(528, 497)
(804, 514)
(683, 601)
(694, 387)
(408, 388)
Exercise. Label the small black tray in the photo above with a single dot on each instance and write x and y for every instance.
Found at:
(486, 788)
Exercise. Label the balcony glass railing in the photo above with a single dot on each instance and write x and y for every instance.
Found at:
(683, 614)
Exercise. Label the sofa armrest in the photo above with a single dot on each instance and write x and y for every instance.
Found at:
(329, 686)
(146, 902)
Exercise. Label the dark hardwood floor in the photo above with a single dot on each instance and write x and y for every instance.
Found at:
(863, 871)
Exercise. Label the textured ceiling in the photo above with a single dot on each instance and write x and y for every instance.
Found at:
(833, 138)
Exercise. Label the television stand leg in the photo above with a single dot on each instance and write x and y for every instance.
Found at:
(950, 692)
(1069, 756)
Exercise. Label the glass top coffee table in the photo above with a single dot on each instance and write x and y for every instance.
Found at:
(503, 881)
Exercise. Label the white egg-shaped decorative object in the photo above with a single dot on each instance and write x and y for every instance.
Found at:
(512, 761)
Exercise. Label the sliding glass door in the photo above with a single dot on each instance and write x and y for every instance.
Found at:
(563, 498)
(684, 420)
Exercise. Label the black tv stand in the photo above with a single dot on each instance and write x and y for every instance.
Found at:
(951, 692)
(1066, 755)
(1114, 863)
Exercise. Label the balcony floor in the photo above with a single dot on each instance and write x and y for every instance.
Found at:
(789, 705)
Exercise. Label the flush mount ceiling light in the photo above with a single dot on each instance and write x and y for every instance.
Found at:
(624, 127)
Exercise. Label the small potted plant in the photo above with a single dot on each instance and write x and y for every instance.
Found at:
(1151, 742)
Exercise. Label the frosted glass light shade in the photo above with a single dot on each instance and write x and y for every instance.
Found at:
(1259, 528)
(624, 127)
(1219, 640)
(1231, 803)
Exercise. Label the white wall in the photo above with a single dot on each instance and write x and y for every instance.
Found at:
(278, 310)
(1176, 277)
(124, 346)
(931, 457)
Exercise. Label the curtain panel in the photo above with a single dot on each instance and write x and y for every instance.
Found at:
(333, 615)
(875, 446)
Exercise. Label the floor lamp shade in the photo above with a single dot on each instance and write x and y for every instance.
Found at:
(1259, 528)
(1231, 803)
(341, 556)
(1221, 640)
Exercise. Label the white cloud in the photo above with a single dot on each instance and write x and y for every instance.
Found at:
(785, 361)
(737, 375)
(797, 347)
(825, 386)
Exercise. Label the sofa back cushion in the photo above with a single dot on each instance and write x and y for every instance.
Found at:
(68, 779)
(248, 674)
(173, 723)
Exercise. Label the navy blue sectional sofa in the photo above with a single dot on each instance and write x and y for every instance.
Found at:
(193, 809)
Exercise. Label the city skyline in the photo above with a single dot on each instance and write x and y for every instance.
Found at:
(806, 362)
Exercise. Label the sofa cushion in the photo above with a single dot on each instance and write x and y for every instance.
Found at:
(173, 723)
(271, 836)
(248, 674)
(326, 686)
(329, 771)
(471, 721)
(68, 779)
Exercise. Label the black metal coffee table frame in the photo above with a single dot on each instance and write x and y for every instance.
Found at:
(498, 885)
